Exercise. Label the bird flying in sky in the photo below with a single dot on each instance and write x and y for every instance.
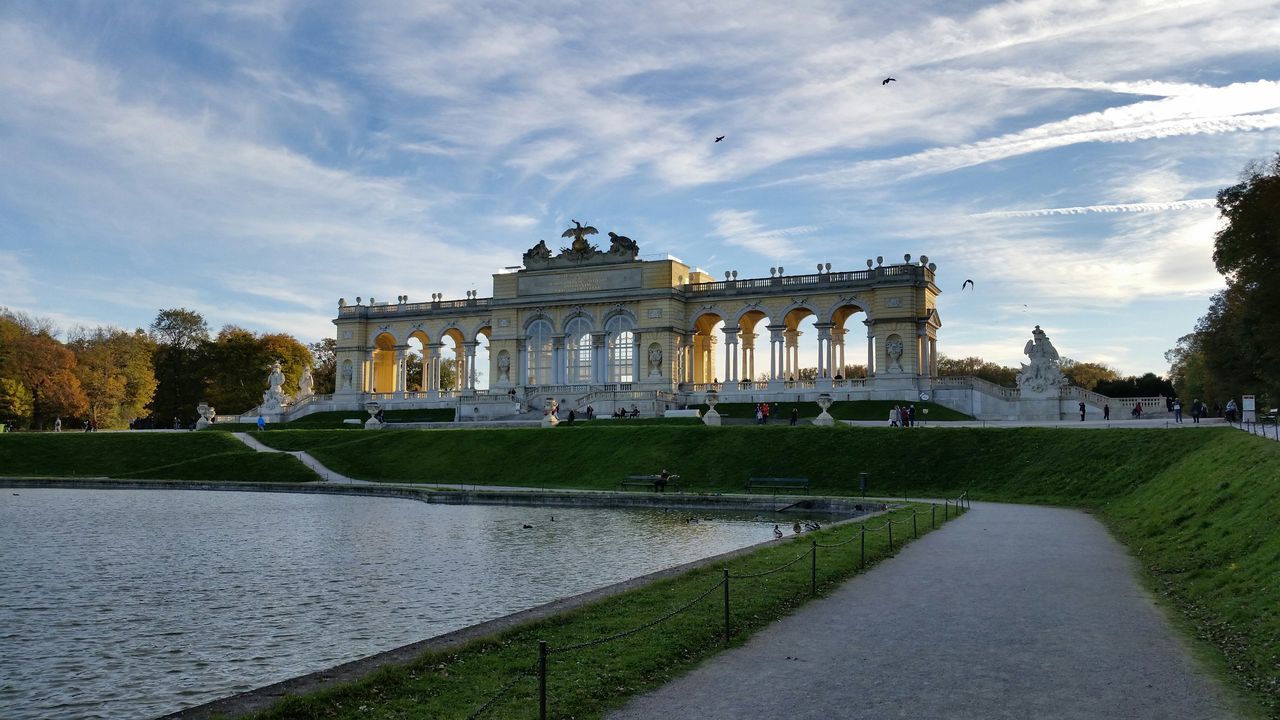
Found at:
(888, 80)
(966, 284)
(719, 138)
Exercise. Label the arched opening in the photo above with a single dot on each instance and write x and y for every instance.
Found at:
(706, 329)
(799, 361)
(846, 332)
(480, 359)
(577, 348)
(383, 377)
(620, 341)
(753, 334)
(417, 362)
(537, 341)
(453, 366)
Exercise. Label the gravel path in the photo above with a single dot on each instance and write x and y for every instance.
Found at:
(1010, 612)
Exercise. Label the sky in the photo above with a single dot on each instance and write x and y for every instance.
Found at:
(256, 160)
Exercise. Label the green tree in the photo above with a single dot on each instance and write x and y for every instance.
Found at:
(181, 339)
(1237, 334)
(15, 402)
(1188, 369)
(1087, 374)
(324, 363)
(115, 370)
(977, 367)
(239, 362)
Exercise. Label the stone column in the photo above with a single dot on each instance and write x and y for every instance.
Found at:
(636, 362)
(730, 354)
(871, 348)
(837, 339)
(824, 349)
(748, 356)
(471, 364)
(933, 357)
(436, 352)
(599, 358)
(776, 350)
(521, 365)
(559, 365)
(793, 354)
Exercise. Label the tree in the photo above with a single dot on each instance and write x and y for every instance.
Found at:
(180, 328)
(977, 367)
(1087, 374)
(181, 339)
(1235, 338)
(1189, 370)
(45, 367)
(115, 370)
(15, 402)
(239, 362)
(324, 361)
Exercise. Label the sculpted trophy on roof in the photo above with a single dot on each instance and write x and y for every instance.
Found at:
(581, 251)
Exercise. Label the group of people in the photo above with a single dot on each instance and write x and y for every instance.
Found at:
(902, 416)
(762, 413)
(622, 412)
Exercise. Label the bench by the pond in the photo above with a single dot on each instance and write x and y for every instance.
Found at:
(777, 483)
(649, 481)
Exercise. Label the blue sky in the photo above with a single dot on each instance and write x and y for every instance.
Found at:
(257, 160)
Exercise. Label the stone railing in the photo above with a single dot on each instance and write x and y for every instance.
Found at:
(748, 285)
(413, 308)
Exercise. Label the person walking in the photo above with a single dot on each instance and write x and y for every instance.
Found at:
(1231, 411)
(57, 424)
(795, 415)
(262, 423)
(1197, 409)
(1106, 411)
(1177, 411)
(1081, 411)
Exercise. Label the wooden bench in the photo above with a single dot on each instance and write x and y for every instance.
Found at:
(778, 484)
(649, 481)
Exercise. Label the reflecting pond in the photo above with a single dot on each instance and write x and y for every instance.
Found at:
(136, 603)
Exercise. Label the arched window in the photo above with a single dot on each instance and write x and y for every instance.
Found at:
(538, 349)
(620, 341)
(577, 343)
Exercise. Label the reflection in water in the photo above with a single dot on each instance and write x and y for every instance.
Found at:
(135, 603)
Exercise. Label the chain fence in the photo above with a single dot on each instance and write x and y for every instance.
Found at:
(1268, 430)
(951, 508)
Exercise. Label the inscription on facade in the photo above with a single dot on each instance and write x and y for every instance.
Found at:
(579, 282)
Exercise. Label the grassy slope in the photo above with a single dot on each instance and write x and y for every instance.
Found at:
(159, 456)
(1079, 467)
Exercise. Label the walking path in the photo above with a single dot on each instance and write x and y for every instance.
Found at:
(1010, 612)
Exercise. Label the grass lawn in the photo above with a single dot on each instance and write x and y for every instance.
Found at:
(149, 455)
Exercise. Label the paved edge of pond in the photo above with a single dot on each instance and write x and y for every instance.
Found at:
(263, 697)
(1015, 611)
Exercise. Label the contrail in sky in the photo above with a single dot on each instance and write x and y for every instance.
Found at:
(1086, 209)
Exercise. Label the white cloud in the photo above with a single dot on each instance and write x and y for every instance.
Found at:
(740, 228)
(16, 280)
(1120, 208)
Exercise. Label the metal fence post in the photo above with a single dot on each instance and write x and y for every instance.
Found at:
(933, 516)
(914, 532)
(726, 607)
(813, 567)
(542, 680)
(863, 542)
(946, 509)
(890, 526)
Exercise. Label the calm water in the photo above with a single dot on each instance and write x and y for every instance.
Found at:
(135, 603)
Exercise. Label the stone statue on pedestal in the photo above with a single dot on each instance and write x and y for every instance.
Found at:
(305, 384)
(1043, 376)
(274, 399)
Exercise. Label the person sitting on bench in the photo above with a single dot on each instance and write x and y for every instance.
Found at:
(661, 483)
